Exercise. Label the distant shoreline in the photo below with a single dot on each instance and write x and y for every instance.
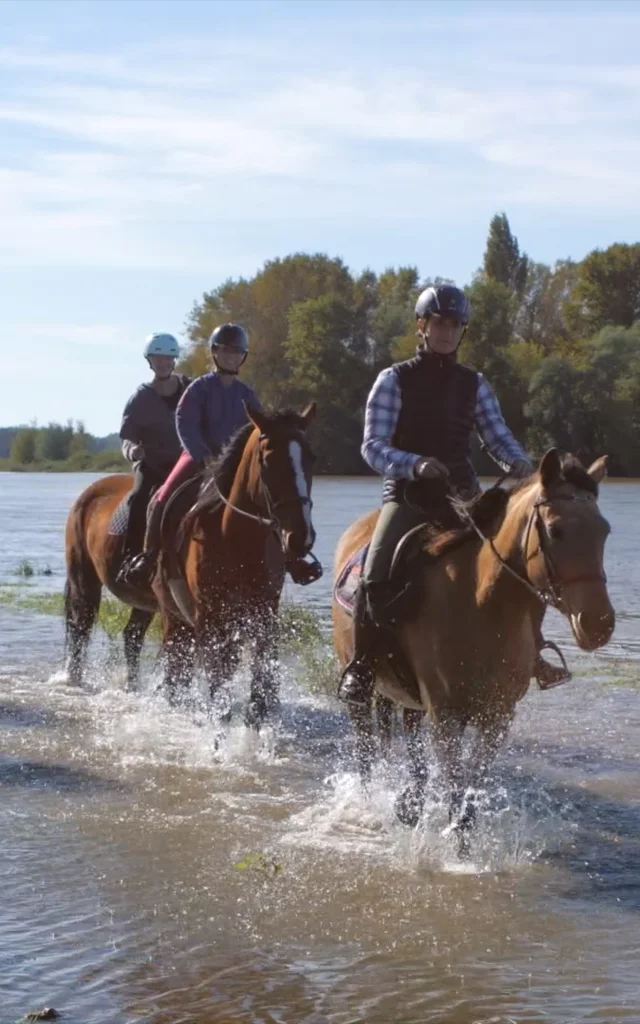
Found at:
(98, 462)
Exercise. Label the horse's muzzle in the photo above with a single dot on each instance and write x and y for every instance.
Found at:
(298, 542)
(593, 629)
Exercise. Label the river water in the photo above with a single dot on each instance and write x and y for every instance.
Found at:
(159, 869)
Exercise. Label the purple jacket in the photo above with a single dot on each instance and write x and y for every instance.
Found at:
(209, 414)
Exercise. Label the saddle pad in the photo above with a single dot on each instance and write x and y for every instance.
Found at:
(346, 585)
(120, 518)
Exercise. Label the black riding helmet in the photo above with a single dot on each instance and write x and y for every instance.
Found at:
(231, 336)
(445, 300)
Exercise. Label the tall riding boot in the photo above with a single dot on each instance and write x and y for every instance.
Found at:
(142, 570)
(358, 678)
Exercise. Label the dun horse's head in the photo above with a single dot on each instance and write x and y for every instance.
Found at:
(285, 460)
(564, 546)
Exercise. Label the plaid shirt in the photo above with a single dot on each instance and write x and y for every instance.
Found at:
(383, 409)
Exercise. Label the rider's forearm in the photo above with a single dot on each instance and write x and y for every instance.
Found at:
(388, 461)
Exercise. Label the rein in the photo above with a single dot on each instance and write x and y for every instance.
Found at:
(273, 523)
(551, 595)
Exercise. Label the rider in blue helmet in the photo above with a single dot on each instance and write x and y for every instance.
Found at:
(419, 419)
(149, 437)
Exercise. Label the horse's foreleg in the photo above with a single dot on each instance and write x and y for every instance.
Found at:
(384, 718)
(410, 803)
(134, 634)
(465, 801)
(362, 721)
(178, 643)
(219, 647)
(82, 594)
(265, 670)
(447, 739)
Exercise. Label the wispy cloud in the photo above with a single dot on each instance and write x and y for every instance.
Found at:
(110, 149)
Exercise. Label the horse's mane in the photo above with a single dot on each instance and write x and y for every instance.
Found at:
(489, 508)
(219, 476)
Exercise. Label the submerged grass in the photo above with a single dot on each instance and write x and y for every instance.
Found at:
(301, 632)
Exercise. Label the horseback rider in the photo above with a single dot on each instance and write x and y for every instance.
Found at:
(149, 437)
(209, 413)
(419, 417)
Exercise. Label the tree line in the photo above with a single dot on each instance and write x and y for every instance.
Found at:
(560, 344)
(60, 447)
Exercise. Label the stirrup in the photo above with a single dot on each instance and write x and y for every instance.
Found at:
(140, 570)
(566, 677)
(364, 687)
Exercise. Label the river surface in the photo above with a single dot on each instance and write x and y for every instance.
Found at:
(159, 868)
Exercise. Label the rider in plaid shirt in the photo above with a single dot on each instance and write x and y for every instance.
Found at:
(419, 420)
(383, 409)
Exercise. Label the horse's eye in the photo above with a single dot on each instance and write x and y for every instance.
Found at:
(556, 532)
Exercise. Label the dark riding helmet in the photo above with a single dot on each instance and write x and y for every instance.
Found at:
(231, 336)
(445, 300)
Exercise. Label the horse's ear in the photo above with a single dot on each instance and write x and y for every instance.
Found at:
(598, 469)
(550, 468)
(308, 415)
(257, 417)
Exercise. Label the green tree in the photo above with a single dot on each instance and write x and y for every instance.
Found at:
(540, 317)
(555, 408)
(502, 259)
(53, 442)
(23, 448)
(324, 367)
(80, 440)
(607, 291)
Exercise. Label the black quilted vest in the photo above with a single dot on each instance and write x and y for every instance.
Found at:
(437, 417)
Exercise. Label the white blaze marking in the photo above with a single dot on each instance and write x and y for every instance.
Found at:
(295, 451)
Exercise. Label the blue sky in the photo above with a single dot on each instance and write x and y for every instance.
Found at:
(149, 150)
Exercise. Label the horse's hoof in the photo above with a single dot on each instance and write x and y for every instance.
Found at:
(409, 806)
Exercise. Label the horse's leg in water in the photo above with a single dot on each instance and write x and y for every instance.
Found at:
(362, 721)
(265, 681)
(178, 644)
(134, 634)
(410, 803)
(219, 647)
(491, 735)
(82, 594)
(447, 739)
(384, 718)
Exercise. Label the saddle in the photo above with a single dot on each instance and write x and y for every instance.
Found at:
(177, 508)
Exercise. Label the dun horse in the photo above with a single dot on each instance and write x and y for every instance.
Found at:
(470, 639)
(222, 569)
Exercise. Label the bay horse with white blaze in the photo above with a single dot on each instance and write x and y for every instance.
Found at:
(222, 584)
(470, 640)
(222, 568)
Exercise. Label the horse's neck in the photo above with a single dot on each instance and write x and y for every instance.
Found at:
(245, 490)
(506, 547)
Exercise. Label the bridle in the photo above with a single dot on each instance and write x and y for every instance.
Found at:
(271, 521)
(552, 593)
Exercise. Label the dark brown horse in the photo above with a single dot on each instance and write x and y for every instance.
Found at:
(221, 574)
(221, 587)
(471, 640)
